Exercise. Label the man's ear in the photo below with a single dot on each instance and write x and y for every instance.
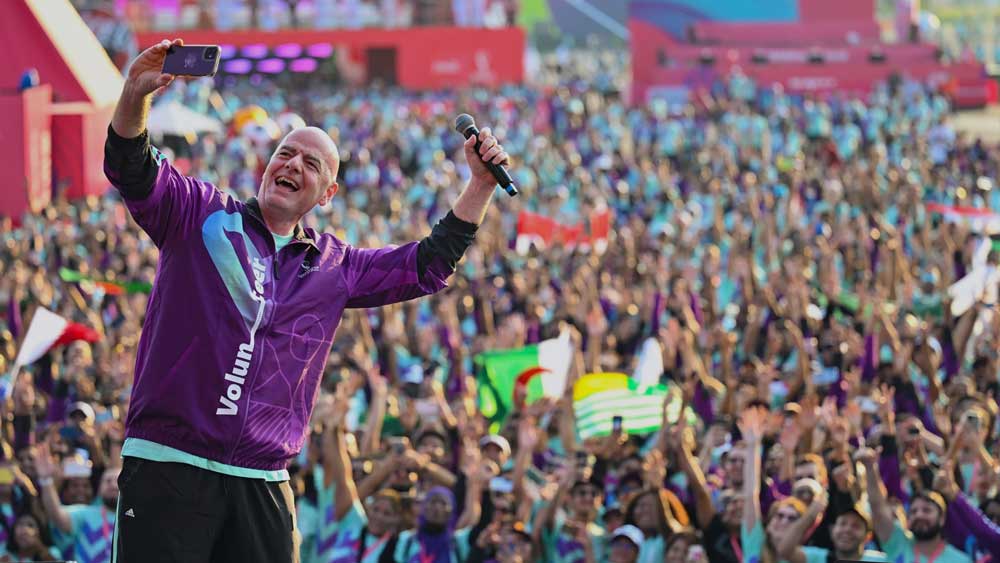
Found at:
(328, 195)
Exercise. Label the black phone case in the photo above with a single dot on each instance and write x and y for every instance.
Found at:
(192, 60)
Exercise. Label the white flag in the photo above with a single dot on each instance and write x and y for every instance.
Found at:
(46, 327)
(650, 366)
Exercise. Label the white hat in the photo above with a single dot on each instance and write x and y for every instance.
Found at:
(84, 408)
(631, 532)
(497, 440)
(414, 374)
(76, 467)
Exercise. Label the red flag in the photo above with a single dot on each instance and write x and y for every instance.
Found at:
(74, 332)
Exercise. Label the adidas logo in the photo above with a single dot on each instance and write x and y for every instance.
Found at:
(129, 512)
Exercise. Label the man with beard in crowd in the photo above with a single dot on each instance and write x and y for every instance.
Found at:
(921, 540)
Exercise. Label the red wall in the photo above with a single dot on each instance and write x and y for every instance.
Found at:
(830, 10)
(847, 70)
(26, 158)
(426, 57)
(78, 157)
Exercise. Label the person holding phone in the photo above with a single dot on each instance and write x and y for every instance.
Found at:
(240, 321)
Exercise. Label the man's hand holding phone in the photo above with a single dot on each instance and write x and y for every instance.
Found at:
(192, 60)
(146, 75)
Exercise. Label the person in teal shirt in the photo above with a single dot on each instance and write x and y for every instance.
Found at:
(92, 525)
(922, 539)
(851, 531)
(347, 531)
(577, 538)
(434, 540)
(757, 542)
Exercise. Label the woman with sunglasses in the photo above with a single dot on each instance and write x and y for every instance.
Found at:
(757, 542)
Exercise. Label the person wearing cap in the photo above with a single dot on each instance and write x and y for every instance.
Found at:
(495, 447)
(921, 540)
(851, 532)
(87, 527)
(625, 544)
(76, 487)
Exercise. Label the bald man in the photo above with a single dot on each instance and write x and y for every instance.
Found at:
(238, 328)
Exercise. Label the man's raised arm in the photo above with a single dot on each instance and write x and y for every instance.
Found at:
(129, 161)
(386, 275)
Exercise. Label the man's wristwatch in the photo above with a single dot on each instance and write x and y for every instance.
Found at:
(45, 481)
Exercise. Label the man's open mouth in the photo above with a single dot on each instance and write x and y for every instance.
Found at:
(284, 182)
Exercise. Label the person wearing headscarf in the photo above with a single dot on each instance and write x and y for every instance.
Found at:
(435, 540)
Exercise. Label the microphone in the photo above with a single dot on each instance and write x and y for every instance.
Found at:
(465, 125)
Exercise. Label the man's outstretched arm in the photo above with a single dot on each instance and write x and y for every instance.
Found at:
(128, 159)
(382, 276)
(453, 235)
(475, 199)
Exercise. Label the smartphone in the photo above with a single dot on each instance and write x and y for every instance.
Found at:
(70, 433)
(616, 424)
(398, 445)
(412, 390)
(192, 60)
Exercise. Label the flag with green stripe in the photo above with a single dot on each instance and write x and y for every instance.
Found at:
(609, 395)
(542, 368)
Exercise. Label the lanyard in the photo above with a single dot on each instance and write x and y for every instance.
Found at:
(428, 558)
(378, 544)
(932, 557)
(738, 549)
(105, 526)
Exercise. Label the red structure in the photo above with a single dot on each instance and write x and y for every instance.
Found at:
(56, 131)
(416, 58)
(807, 46)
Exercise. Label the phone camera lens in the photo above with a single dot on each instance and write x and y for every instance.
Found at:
(210, 54)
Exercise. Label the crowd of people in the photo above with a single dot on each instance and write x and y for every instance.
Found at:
(838, 404)
(309, 14)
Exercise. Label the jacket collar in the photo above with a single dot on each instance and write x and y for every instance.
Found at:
(298, 234)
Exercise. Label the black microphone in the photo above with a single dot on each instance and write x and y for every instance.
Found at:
(465, 125)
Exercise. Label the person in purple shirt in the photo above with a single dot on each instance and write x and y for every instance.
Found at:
(238, 329)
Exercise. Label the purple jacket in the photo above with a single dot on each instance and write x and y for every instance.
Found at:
(970, 530)
(236, 336)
